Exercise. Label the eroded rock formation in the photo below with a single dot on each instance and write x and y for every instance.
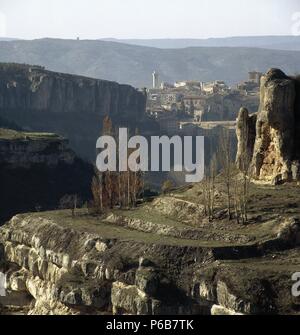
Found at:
(37, 170)
(82, 265)
(67, 271)
(246, 133)
(274, 152)
(69, 105)
(22, 150)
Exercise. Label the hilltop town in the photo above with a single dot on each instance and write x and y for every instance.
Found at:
(184, 103)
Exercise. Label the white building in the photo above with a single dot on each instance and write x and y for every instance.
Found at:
(188, 84)
(165, 86)
(155, 80)
(213, 87)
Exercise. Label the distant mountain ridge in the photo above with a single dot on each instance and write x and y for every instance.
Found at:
(266, 42)
(7, 39)
(131, 64)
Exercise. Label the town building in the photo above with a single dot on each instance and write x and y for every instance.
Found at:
(214, 87)
(171, 97)
(251, 86)
(155, 77)
(255, 77)
(188, 84)
(166, 86)
(194, 100)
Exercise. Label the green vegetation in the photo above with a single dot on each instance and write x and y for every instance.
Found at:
(95, 225)
(8, 134)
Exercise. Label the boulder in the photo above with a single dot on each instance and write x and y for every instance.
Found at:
(147, 280)
(230, 301)
(220, 310)
(129, 299)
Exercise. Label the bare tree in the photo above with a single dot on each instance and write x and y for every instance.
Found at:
(244, 165)
(236, 203)
(137, 184)
(205, 195)
(97, 192)
(213, 175)
(105, 185)
(237, 200)
(109, 176)
(116, 188)
(70, 202)
(209, 188)
(224, 155)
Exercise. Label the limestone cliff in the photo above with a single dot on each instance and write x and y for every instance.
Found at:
(36, 170)
(69, 105)
(22, 150)
(246, 133)
(77, 271)
(86, 265)
(274, 152)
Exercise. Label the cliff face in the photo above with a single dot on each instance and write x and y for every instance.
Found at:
(69, 105)
(274, 153)
(37, 170)
(246, 124)
(69, 271)
(22, 150)
(89, 265)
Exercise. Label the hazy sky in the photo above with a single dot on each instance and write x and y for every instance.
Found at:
(145, 19)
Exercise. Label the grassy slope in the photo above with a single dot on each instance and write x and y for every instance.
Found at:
(8, 134)
(268, 208)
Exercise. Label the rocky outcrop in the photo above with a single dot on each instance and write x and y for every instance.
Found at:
(275, 156)
(79, 266)
(246, 133)
(22, 150)
(178, 208)
(37, 170)
(69, 105)
(68, 271)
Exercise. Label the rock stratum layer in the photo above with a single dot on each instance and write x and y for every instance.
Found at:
(274, 152)
(86, 265)
(37, 170)
(69, 105)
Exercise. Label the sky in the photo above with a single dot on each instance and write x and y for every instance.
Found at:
(93, 19)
